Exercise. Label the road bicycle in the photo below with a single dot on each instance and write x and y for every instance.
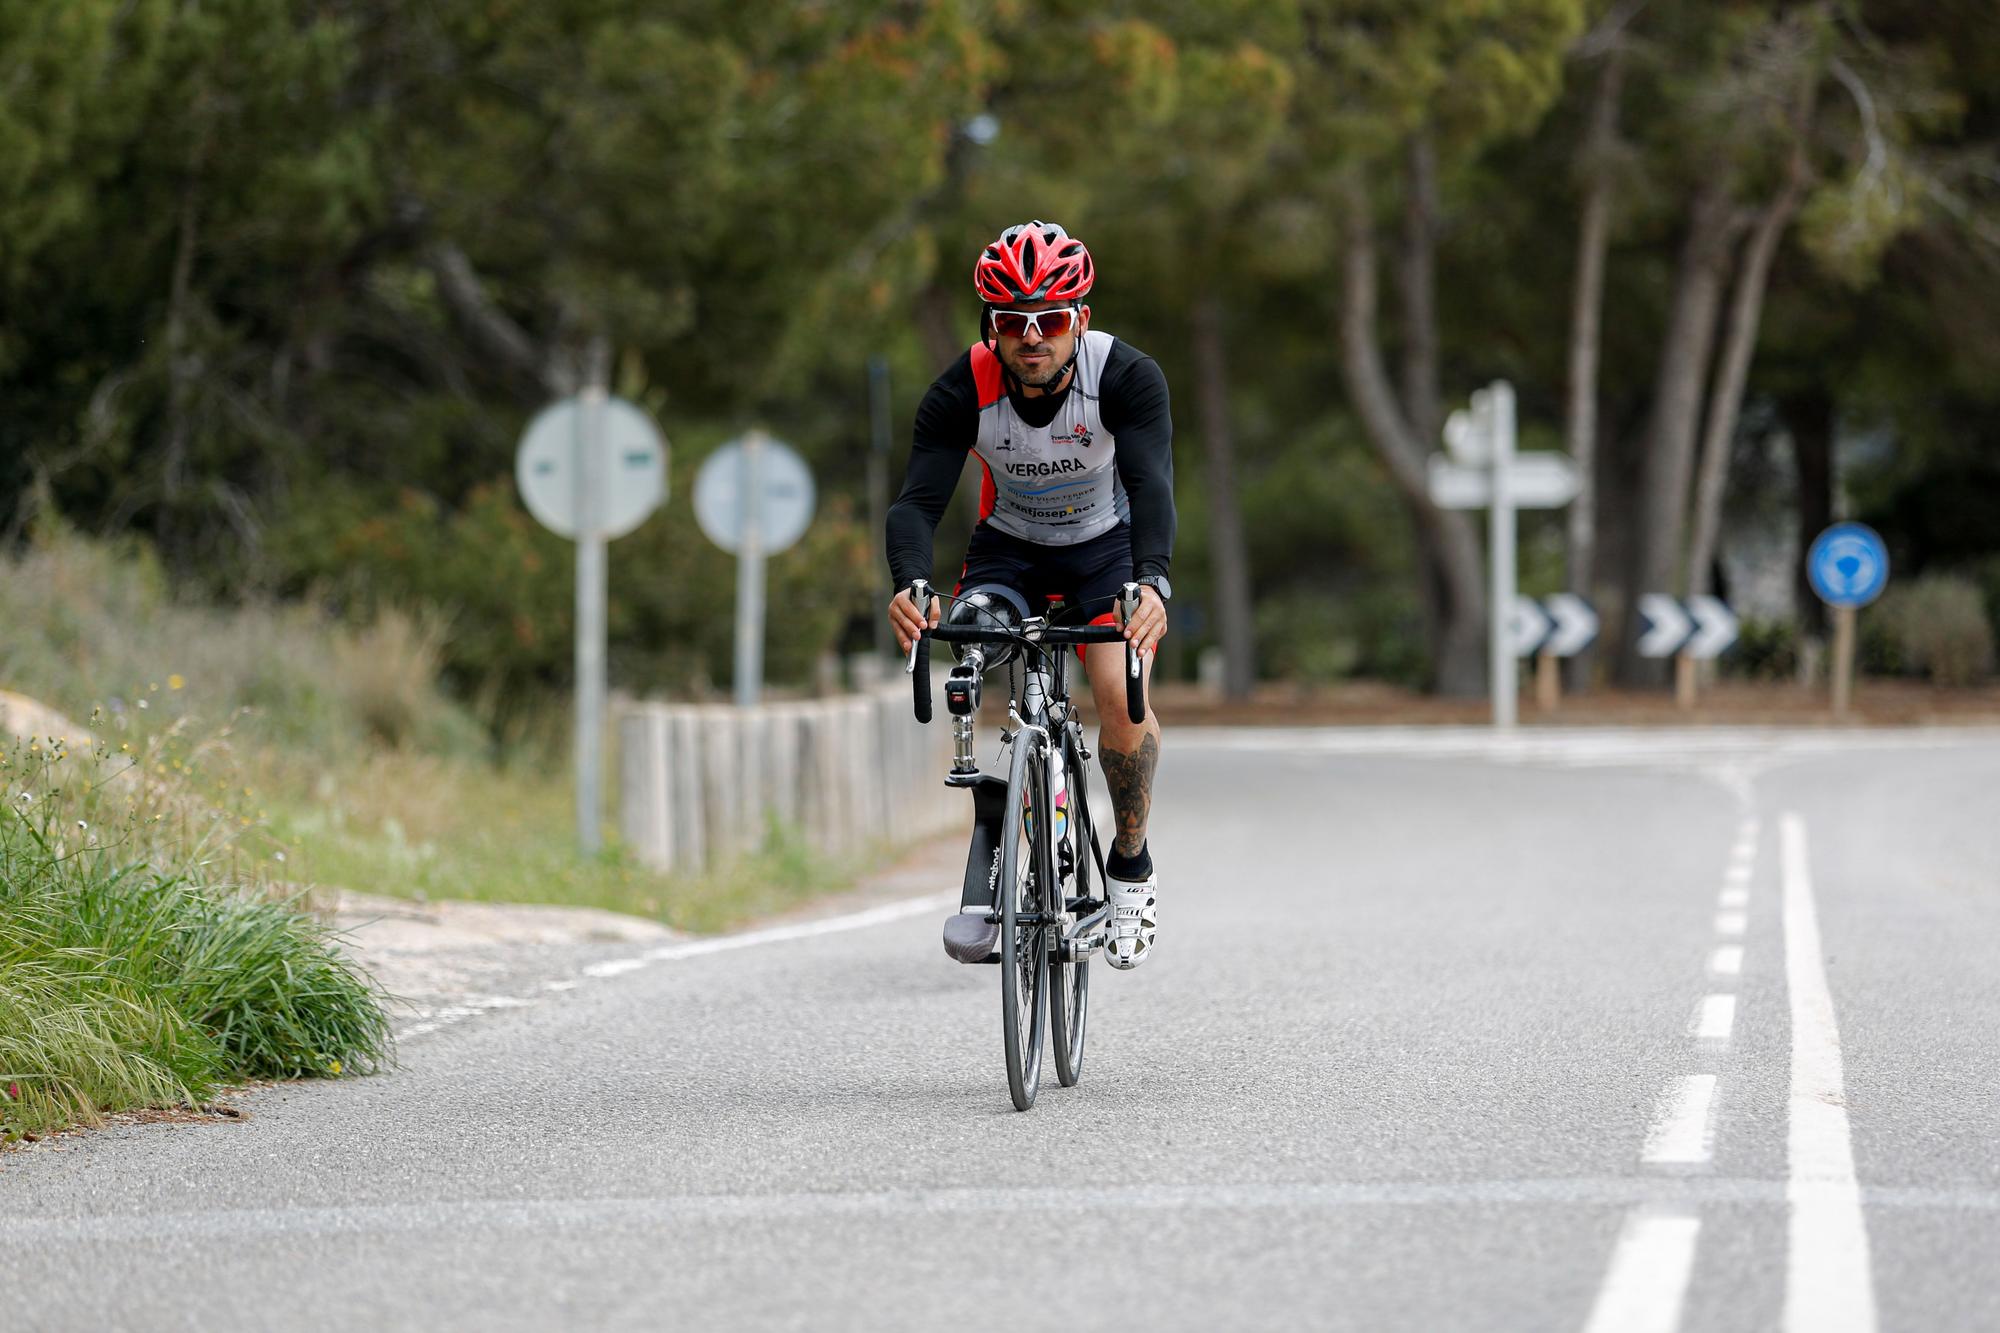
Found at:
(1036, 861)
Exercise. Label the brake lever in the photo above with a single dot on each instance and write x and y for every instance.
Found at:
(1128, 606)
(920, 597)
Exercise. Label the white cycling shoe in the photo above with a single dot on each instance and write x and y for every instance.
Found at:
(1128, 935)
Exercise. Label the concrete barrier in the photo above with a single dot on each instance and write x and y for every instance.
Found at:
(700, 784)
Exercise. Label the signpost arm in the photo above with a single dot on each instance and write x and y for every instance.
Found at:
(1500, 653)
(590, 598)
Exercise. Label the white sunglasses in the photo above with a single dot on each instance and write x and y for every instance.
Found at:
(1045, 323)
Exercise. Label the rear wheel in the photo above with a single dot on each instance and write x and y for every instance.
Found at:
(1069, 982)
(1025, 868)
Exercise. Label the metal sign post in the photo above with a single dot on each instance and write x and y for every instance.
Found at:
(1483, 470)
(591, 468)
(750, 575)
(591, 592)
(753, 497)
(1500, 557)
(1848, 566)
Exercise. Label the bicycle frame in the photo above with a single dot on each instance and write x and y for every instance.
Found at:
(1020, 866)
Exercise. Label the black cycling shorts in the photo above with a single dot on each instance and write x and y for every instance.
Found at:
(1088, 575)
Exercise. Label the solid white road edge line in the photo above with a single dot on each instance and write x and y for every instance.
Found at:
(1828, 1285)
(1648, 1278)
(831, 925)
(1682, 1132)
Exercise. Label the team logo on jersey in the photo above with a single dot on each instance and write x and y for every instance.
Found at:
(1055, 467)
(1080, 436)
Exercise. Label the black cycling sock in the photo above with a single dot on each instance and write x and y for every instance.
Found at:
(1120, 866)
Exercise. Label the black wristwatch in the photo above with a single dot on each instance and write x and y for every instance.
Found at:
(1158, 583)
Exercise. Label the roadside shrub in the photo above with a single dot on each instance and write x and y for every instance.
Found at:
(1765, 650)
(95, 623)
(1939, 627)
(1323, 635)
(137, 966)
(505, 587)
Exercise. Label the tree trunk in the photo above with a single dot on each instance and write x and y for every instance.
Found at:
(1229, 554)
(1586, 336)
(1446, 536)
(937, 327)
(1725, 401)
(1677, 393)
(1416, 279)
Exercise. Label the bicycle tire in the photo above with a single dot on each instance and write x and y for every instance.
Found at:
(1024, 950)
(1069, 982)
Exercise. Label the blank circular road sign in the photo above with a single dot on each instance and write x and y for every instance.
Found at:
(781, 491)
(631, 467)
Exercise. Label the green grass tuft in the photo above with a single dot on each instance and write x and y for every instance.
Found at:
(133, 972)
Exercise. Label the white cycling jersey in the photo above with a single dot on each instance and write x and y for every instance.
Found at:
(1056, 484)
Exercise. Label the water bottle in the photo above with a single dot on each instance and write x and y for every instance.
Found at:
(1059, 784)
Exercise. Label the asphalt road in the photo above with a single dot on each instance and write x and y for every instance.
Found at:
(1593, 1031)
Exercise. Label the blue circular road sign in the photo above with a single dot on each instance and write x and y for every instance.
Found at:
(1848, 565)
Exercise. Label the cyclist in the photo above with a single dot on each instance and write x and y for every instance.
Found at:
(1075, 441)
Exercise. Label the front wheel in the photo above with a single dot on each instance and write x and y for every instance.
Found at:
(1069, 982)
(1025, 868)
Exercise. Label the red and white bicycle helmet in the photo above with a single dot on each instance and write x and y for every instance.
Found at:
(1033, 261)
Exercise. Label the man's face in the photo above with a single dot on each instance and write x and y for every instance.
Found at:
(1035, 359)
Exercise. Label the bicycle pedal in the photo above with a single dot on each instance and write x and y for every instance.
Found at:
(1080, 950)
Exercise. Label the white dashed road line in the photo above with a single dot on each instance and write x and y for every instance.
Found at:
(1828, 1284)
(1647, 1282)
(1727, 960)
(1715, 1019)
(1683, 1131)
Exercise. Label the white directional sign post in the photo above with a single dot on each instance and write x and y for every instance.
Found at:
(1482, 470)
(591, 468)
(753, 497)
(1697, 630)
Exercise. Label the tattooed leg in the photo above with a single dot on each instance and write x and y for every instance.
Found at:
(1130, 777)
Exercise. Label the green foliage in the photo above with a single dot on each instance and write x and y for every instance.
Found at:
(1764, 650)
(503, 588)
(134, 970)
(1939, 628)
(99, 624)
(279, 283)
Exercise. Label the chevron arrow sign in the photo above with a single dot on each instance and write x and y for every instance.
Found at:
(1702, 627)
(1561, 625)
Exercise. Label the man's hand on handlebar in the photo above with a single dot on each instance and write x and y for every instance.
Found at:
(904, 618)
(1149, 623)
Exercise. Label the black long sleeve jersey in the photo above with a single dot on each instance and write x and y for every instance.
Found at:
(1058, 469)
